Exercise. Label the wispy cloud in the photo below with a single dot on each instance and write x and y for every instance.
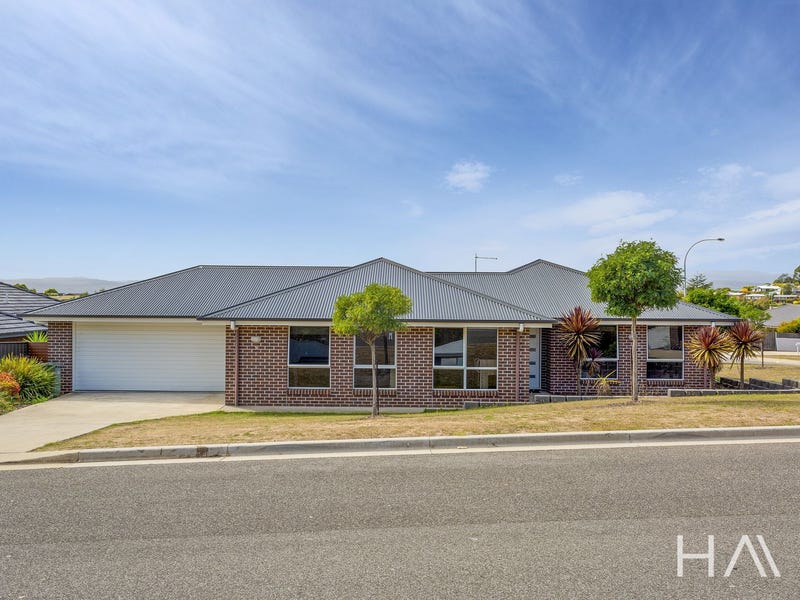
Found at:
(568, 179)
(618, 213)
(468, 176)
(414, 210)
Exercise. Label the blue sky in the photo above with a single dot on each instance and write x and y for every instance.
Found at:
(139, 138)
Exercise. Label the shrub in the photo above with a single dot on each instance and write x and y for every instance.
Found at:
(9, 385)
(36, 337)
(35, 378)
(790, 326)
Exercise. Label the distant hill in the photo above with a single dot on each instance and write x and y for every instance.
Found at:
(65, 285)
(736, 279)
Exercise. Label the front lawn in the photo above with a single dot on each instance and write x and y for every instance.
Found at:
(769, 372)
(591, 415)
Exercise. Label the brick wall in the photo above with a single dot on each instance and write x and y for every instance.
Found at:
(59, 336)
(562, 371)
(263, 372)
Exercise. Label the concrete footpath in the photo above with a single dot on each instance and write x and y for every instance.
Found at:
(418, 444)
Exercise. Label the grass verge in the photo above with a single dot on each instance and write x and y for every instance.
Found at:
(591, 415)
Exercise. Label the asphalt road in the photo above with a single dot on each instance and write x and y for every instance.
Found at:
(544, 524)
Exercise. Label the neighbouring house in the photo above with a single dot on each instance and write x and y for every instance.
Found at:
(782, 342)
(13, 303)
(262, 335)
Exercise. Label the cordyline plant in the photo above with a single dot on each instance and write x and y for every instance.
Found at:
(577, 330)
(708, 348)
(745, 343)
(369, 315)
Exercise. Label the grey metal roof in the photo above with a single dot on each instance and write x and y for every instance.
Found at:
(551, 289)
(12, 326)
(433, 299)
(781, 314)
(188, 293)
(14, 301)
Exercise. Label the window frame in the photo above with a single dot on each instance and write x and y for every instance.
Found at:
(464, 368)
(358, 366)
(290, 364)
(604, 358)
(681, 360)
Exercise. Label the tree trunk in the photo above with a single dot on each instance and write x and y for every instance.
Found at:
(578, 369)
(376, 409)
(741, 373)
(634, 364)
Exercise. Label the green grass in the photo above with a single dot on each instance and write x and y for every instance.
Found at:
(591, 415)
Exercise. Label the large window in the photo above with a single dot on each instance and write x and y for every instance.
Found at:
(309, 357)
(665, 352)
(465, 358)
(385, 350)
(606, 364)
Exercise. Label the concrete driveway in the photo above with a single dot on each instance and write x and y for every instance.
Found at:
(81, 412)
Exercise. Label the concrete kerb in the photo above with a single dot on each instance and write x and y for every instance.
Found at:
(401, 444)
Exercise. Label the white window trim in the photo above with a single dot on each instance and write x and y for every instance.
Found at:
(358, 366)
(681, 360)
(606, 359)
(464, 367)
(305, 366)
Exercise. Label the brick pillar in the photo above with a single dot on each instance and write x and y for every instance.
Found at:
(415, 365)
(59, 334)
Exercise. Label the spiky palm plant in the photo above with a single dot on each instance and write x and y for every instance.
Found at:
(577, 330)
(708, 348)
(746, 340)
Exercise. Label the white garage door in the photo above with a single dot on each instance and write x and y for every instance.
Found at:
(149, 357)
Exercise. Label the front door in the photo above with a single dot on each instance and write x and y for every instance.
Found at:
(534, 360)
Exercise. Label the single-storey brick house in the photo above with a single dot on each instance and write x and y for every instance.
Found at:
(262, 335)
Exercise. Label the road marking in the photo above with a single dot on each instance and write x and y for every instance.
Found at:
(421, 452)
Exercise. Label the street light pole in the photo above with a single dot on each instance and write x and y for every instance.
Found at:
(685, 256)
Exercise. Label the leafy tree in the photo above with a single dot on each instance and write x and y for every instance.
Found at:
(796, 274)
(720, 300)
(745, 342)
(635, 277)
(369, 315)
(708, 348)
(22, 286)
(786, 289)
(714, 299)
(783, 278)
(51, 292)
(577, 329)
(699, 281)
(753, 312)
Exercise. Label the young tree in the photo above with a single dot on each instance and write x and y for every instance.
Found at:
(635, 277)
(709, 348)
(700, 282)
(577, 329)
(745, 343)
(51, 292)
(369, 315)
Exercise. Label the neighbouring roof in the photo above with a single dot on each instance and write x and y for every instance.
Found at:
(14, 301)
(551, 289)
(781, 314)
(433, 300)
(188, 293)
(12, 326)
(539, 291)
